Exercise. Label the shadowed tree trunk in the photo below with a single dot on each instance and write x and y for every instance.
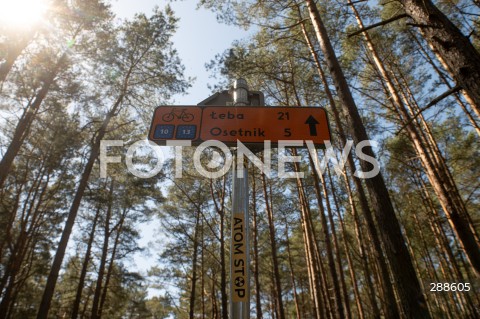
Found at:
(452, 48)
(194, 266)
(83, 272)
(346, 245)
(116, 242)
(316, 299)
(329, 245)
(103, 259)
(220, 208)
(256, 274)
(277, 287)
(390, 308)
(336, 247)
(339, 311)
(413, 302)
(292, 273)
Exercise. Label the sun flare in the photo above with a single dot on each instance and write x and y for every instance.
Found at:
(22, 13)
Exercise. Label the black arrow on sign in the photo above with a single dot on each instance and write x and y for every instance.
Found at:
(312, 123)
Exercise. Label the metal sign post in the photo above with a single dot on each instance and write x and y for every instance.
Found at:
(240, 243)
(247, 120)
(214, 106)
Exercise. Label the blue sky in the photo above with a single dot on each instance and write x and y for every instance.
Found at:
(198, 39)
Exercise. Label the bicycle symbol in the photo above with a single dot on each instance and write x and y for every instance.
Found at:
(179, 114)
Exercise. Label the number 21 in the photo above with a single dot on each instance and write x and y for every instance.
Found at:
(283, 116)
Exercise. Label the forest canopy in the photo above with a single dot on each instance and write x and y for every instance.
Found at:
(402, 244)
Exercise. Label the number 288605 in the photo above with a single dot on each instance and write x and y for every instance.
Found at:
(449, 286)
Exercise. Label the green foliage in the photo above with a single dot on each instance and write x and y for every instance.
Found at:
(94, 61)
(108, 75)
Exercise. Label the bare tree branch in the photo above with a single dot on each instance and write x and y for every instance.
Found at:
(384, 22)
(429, 105)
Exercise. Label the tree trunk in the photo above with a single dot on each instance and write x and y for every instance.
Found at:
(453, 49)
(292, 273)
(318, 305)
(256, 274)
(202, 269)
(328, 246)
(83, 271)
(363, 253)
(194, 267)
(336, 247)
(390, 308)
(220, 208)
(346, 245)
(413, 301)
(103, 258)
(116, 242)
(223, 274)
(328, 243)
(215, 313)
(277, 287)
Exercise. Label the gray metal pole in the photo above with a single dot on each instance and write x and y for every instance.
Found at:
(240, 243)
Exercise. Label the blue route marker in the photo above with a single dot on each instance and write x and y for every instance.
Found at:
(186, 132)
(164, 131)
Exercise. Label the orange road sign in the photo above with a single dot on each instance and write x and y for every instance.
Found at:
(249, 124)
